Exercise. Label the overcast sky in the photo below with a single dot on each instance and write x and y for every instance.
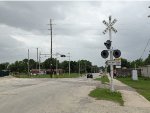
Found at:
(77, 29)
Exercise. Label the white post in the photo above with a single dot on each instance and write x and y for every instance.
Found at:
(111, 58)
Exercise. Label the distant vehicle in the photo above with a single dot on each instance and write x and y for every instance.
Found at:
(89, 75)
(101, 72)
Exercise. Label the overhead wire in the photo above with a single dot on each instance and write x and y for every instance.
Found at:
(145, 48)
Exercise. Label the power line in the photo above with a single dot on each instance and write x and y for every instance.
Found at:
(145, 48)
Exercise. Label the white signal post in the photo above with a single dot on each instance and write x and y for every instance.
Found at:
(109, 28)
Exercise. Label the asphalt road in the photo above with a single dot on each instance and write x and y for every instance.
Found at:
(68, 95)
(43, 95)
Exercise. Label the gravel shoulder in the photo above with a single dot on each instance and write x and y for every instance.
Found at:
(130, 96)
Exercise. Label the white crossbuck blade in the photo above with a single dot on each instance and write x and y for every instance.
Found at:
(105, 23)
(109, 26)
(113, 22)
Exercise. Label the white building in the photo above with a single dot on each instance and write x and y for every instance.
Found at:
(145, 71)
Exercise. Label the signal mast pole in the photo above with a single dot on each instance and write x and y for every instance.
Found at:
(110, 28)
(111, 57)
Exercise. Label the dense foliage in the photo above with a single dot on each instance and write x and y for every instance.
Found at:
(22, 66)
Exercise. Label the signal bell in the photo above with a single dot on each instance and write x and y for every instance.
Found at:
(104, 54)
(117, 53)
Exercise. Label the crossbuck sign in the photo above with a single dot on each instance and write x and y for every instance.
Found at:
(109, 26)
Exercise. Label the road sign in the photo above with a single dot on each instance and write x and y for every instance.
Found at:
(118, 61)
(111, 62)
(109, 26)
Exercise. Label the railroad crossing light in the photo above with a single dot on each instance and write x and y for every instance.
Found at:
(117, 53)
(104, 54)
(62, 55)
(108, 44)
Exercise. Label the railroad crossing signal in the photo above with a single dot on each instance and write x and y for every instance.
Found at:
(110, 26)
(105, 53)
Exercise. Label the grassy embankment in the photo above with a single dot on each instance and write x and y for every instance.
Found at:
(142, 85)
(106, 94)
(66, 75)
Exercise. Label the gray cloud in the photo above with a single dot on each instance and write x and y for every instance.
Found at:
(78, 28)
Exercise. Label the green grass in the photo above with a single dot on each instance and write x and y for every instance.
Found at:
(106, 94)
(103, 79)
(66, 75)
(142, 85)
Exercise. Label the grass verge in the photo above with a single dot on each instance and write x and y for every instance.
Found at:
(66, 75)
(103, 79)
(142, 85)
(106, 94)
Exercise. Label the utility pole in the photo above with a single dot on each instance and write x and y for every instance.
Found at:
(28, 64)
(51, 34)
(69, 63)
(37, 59)
(39, 62)
(79, 67)
(56, 65)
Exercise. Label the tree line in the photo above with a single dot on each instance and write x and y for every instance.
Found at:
(132, 64)
(22, 66)
(135, 63)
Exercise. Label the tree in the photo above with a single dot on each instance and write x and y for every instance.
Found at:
(125, 63)
(65, 66)
(4, 66)
(85, 66)
(74, 67)
(47, 62)
(137, 63)
(32, 64)
(147, 60)
(22, 66)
